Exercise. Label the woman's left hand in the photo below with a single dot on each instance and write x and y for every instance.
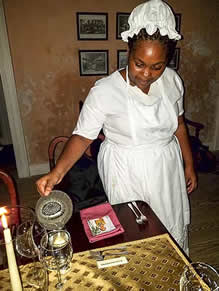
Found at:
(191, 179)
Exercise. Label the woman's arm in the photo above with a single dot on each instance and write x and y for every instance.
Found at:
(72, 152)
(183, 138)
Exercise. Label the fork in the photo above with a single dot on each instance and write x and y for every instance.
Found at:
(101, 256)
(143, 217)
(97, 253)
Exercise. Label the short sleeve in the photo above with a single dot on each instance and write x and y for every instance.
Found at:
(180, 100)
(91, 117)
(180, 106)
(173, 87)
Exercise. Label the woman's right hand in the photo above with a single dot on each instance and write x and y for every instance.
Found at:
(46, 183)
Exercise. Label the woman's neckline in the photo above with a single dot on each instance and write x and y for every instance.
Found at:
(122, 73)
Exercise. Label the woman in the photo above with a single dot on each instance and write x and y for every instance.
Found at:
(140, 109)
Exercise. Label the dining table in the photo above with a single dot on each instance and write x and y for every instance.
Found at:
(154, 260)
(132, 230)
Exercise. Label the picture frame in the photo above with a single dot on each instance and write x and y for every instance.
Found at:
(92, 26)
(93, 62)
(121, 23)
(122, 59)
(174, 62)
(178, 21)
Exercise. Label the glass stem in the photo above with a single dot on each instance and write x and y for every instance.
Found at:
(59, 284)
(59, 275)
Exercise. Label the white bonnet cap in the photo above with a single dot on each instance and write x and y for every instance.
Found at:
(152, 15)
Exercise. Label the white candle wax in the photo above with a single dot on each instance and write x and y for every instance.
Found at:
(12, 264)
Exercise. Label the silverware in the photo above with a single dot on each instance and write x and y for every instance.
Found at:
(138, 217)
(143, 217)
(93, 252)
(99, 256)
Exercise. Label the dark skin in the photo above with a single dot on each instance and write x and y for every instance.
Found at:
(182, 136)
(146, 64)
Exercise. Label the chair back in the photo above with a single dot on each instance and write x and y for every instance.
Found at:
(57, 144)
(55, 148)
(8, 181)
(204, 159)
(195, 126)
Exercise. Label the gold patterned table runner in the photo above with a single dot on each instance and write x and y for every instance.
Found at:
(153, 264)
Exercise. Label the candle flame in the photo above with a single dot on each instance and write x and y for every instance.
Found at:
(3, 211)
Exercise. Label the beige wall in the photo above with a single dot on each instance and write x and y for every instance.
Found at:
(199, 64)
(44, 48)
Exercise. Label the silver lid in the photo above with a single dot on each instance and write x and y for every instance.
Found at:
(54, 211)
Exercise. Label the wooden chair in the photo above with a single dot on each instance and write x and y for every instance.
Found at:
(8, 181)
(52, 149)
(204, 159)
(57, 144)
(196, 125)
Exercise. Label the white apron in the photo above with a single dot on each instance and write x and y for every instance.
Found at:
(151, 171)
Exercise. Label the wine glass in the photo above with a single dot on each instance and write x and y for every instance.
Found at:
(200, 276)
(28, 236)
(56, 252)
(27, 242)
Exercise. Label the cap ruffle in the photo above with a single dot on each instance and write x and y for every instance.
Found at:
(152, 15)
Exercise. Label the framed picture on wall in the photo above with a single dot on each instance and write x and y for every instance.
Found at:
(121, 23)
(178, 21)
(174, 63)
(93, 62)
(122, 59)
(92, 26)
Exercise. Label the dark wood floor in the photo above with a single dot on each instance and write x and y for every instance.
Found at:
(204, 229)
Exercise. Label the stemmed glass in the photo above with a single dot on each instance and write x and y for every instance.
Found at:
(198, 277)
(56, 252)
(27, 242)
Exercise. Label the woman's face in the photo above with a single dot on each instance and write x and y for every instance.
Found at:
(146, 63)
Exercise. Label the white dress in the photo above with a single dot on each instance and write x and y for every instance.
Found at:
(140, 158)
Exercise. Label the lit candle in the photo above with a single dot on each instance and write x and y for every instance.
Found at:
(59, 239)
(12, 264)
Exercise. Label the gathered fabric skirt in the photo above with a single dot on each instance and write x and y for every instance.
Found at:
(152, 174)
